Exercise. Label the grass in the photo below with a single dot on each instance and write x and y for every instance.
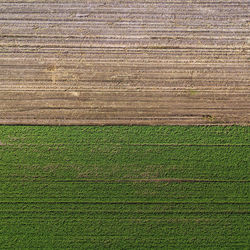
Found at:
(121, 187)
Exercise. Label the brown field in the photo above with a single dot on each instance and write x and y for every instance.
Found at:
(124, 62)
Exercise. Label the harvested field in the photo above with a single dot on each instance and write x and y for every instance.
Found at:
(124, 187)
(124, 62)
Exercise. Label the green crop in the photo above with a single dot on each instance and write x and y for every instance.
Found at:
(124, 187)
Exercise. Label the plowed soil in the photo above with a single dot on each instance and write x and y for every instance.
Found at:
(124, 62)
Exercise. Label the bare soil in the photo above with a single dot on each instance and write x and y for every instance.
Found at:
(124, 62)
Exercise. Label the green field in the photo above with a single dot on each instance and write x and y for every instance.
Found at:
(122, 187)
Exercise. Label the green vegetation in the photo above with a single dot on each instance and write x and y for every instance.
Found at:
(122, 187)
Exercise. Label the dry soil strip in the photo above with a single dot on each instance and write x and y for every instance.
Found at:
(124, 62)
